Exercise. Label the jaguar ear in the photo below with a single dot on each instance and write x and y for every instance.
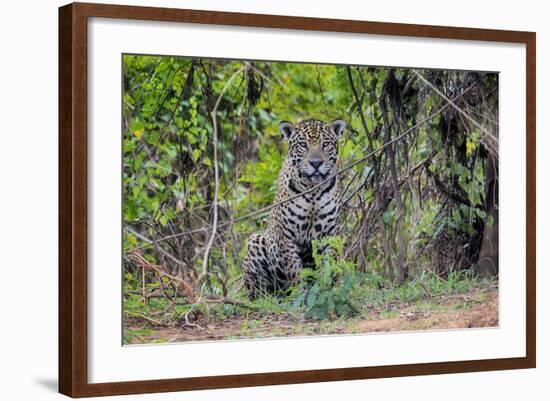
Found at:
(287, 129)
(338, 126)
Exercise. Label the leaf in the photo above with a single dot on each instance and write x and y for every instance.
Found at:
(196, 154)
(148, 109)
(298, 300)
(312, 296)
(387, 216)
(307, 273)
(136, 124)
(171, 151)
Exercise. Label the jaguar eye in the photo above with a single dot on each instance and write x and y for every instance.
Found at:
(302, 144)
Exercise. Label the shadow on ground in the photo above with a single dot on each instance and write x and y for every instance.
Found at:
(47, 383)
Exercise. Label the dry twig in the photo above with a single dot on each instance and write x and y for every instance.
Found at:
(141, 262)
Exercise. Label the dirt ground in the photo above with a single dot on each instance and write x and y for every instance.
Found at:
(474, 309)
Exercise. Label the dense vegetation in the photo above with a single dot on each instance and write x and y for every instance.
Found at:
(202, 152)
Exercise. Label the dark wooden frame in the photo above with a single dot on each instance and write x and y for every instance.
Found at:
(73, 198)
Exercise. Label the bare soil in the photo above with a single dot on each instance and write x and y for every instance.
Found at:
(475, 309)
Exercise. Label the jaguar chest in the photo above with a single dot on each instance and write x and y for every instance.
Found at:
(311, 216)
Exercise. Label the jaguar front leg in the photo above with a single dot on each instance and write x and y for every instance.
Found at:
(256, 269)
(293, 265)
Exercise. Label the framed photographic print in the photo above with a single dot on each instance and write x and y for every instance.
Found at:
(252, 199)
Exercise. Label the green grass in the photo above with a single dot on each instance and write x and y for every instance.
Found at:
(130, 334)
(375, 292)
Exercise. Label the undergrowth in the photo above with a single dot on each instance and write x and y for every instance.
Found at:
(333, 291)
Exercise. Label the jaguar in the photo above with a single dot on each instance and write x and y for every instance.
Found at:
(306, 208)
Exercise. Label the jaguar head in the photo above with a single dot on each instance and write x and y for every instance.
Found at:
(313, 148)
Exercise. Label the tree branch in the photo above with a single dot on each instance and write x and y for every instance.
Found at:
(453, 105)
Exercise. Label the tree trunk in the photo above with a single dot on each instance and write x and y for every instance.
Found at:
(401, 268)
(488, 255)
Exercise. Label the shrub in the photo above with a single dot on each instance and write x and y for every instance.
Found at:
(324, 292)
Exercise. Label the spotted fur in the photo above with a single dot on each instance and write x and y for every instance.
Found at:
(275, 258)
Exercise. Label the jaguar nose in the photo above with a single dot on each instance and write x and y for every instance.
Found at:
(316, 163)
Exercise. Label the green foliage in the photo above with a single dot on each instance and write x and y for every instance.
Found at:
(324, 292)
(262, 177)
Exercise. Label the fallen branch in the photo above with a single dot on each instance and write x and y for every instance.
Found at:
(141, 262)
(146, 318)
(229, 301)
